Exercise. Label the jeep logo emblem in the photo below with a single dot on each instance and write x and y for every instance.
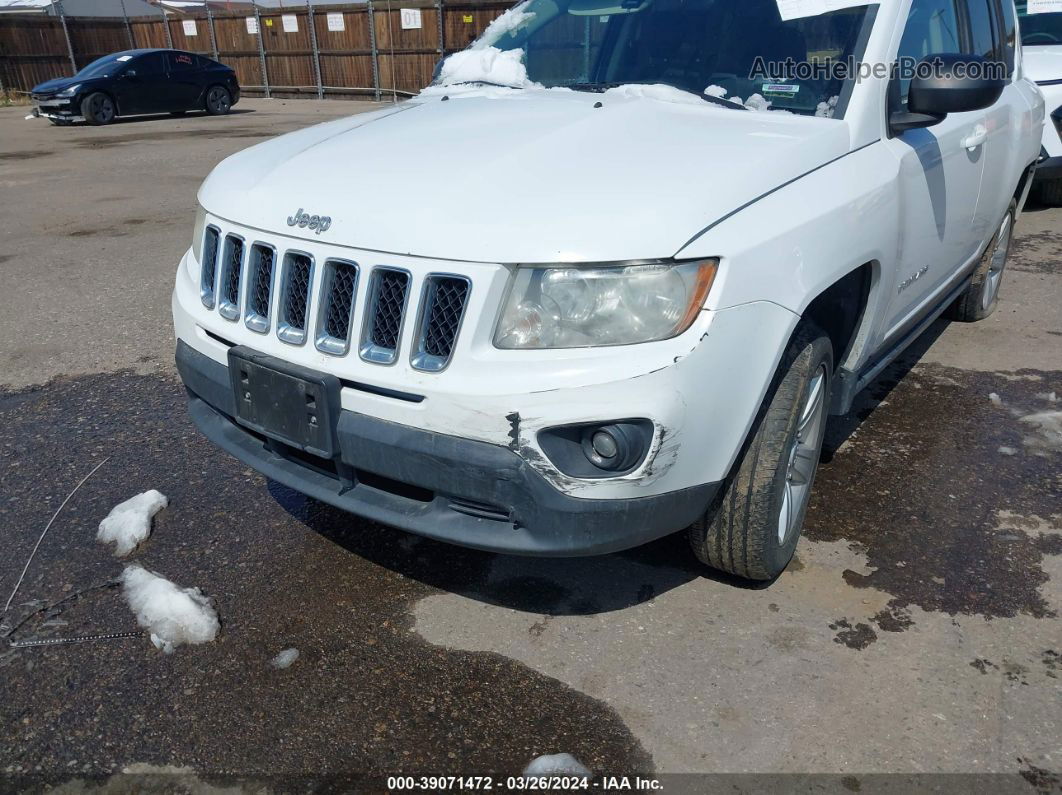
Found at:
(303, 220)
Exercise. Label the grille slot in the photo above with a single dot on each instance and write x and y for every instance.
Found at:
(295, 297)
(231, 273)
(340, 285)
(260, 287)
(442, 310)
(209, 271)
(384, 315)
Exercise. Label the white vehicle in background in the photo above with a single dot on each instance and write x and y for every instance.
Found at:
(1041, 35)
(572, 298)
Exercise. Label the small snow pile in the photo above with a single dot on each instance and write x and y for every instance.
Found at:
(658, 91)
(285, 659)
(173, 615)
(556, 765)
(826, 110)
(129, 522)
(506, 23)
(1008, 450)
(995, 400)
(756, 102)
(1047, 426)
(486, 65)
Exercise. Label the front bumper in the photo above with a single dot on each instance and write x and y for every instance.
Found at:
(58, 109)
(457, 490)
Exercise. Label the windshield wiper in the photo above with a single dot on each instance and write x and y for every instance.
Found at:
(598, 88)
(482, 83)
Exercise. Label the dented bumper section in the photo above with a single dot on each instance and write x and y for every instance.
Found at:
(461, 491)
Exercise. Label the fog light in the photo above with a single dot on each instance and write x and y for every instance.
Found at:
(604, 445)
(614, 448)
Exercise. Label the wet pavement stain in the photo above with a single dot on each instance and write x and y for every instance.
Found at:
(1039, 252)
(855, 636)
(948, 523)
(366, 695)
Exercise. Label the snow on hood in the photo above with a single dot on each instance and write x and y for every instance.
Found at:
(1042, 62)
(522, 176)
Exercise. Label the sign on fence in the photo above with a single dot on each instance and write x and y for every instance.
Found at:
(290, 23)
(335, 21)
(411, 19)
(252, 26)
(189, 27)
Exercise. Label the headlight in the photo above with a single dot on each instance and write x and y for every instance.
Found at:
(197, 233)
(69, 92)
(581, 307)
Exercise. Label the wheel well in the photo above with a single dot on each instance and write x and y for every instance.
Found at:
(106, 93)
(838, 310)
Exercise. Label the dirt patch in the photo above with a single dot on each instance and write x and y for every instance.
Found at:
(366, 697)
(922, 488)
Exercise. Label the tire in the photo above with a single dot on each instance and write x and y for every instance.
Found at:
(982, 296)
(98, 109)
(1051, 192)
(218, 101)
(752, 528)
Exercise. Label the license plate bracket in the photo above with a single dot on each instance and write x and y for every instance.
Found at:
(286, 402)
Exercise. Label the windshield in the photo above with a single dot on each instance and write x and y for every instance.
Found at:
(1039, 28)
(106, 66)
(711, 48)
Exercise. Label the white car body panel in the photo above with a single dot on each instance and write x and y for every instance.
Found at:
(1043, 65)
(489, 179)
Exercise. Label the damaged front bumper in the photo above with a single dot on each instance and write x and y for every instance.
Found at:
(57, 109)
(461, 491)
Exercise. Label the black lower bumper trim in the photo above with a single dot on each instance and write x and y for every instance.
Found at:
(1049, 169)
(464, 492)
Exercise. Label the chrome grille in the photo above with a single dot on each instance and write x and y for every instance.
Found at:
(442, 310)
(295, 297)
(238, 278)
(383, 318)
(260, 287)
(339, 286)
(231, 272)
(209, 270)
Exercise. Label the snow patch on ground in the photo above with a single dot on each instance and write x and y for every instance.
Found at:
(1045, 427)
(507, 23)
(173, 615)
(486, 65)
(129, 522)
(285, 659)
(556, 765)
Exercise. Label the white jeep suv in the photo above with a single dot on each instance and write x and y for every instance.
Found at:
(1041, 35)
(606, 279)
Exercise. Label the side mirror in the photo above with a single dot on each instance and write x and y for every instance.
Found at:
(949, 83)
(129, 74)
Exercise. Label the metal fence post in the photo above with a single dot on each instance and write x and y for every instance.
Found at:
(213, 38)
(166, 27)
(57, 5)
(316, 52)
(375, 54)
(128, 28)
(261, 52)
(440, 30)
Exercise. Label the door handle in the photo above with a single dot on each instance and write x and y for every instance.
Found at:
(976, 138)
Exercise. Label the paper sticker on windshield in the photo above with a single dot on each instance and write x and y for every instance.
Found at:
(780, 90)
(1045, 7)
(798, 9)
(124, 57)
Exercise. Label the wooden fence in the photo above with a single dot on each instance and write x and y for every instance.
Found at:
(376, 48)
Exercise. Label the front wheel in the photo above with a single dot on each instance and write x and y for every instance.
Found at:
(98, 108)
(218, 101)
(982, 296)
(752, 528)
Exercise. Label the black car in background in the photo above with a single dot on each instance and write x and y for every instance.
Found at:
(138, 81)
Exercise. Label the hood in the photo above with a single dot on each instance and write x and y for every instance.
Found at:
(59, 83)
(1042, 62)
(522, 176)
